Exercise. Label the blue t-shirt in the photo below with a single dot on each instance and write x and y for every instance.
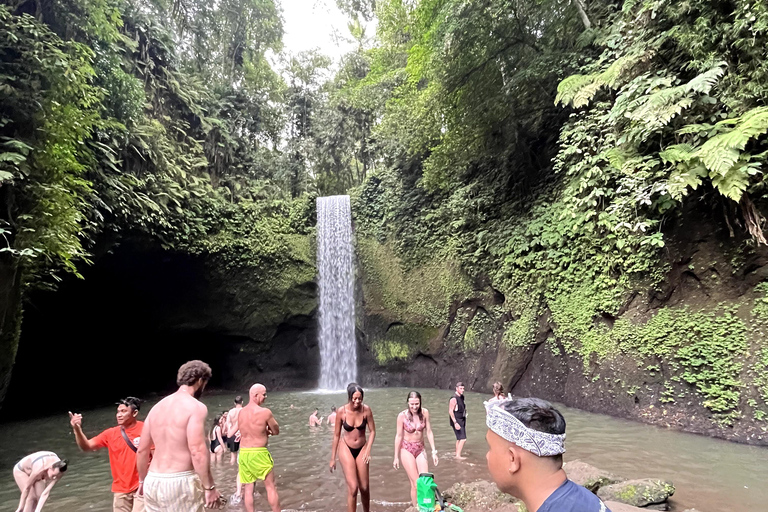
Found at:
(571, 497)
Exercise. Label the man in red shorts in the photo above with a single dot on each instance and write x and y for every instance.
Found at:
(121, 443)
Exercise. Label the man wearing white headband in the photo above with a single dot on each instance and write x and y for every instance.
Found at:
(526, 439)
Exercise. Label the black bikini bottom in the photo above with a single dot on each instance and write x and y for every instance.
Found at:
(354, 451)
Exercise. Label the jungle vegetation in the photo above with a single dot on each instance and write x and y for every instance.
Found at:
(547, 144)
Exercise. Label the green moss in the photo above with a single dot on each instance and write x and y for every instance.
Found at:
(521, 332)
(422, 294)
(628, 493)
(402, 342)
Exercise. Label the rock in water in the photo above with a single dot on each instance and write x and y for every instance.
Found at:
(615, 506)
(481, 496)
(638, 493)
(589, 476)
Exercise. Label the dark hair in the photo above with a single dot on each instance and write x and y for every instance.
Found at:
(414, 394)
(333, 408)
(459, 384)
(61, 465)
(537, 414)
(193, 371)
(498, 388)
(130, 401)
(354, 388)
(216, 421)
(239, 400)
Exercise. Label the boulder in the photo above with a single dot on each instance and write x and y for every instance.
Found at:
(589, 476)
(638, 493)
(481, 496)
(615, 506)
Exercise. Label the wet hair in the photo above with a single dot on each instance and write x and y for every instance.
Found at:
(414, 394)
(459, 384)
(537, 414)
(498, 388)
(216, 421)
(354, 388)
(238, 400)
(61, 465)
(333, 408)
(130, 401)
(193, 371)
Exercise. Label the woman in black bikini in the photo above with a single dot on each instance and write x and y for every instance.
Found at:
(355, 452)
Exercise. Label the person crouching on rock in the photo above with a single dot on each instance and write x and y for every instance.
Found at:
(526, 440)
(412, 424)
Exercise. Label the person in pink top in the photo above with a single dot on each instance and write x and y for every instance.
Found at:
(412, 424)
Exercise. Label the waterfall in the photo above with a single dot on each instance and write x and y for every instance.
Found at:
(338, 348)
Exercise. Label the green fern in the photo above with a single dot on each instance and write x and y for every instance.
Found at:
(721, 152)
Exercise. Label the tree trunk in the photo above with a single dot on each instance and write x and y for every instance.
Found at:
(581, 6)
(10, 319)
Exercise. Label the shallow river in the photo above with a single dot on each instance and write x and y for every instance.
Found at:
(710, 475)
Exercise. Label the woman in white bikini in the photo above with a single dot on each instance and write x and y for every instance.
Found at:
(36, 474)
(412, 423)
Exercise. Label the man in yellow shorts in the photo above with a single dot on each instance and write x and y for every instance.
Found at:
(256, 424)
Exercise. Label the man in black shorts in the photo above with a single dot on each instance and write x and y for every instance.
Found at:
(458, 418)
(526, 440)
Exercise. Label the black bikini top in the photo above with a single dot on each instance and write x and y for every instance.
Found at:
(350, 428)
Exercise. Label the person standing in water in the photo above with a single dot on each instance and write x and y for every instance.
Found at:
(216, 439)
(332, 417)
(498, 392)
(412, 424)
(526, 440)
(179, 478)
(233, 435)
(354, 451)
(36, 474)
(121, 443)
(457, 413)
(314, 421)
(256, 424)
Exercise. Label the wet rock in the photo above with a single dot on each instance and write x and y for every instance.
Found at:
(615, 506)
(589, 476)
(638, 493)
(481, 496)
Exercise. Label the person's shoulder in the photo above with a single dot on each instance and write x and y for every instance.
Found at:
(572, 497)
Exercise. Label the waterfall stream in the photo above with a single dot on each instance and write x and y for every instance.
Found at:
(338, 350)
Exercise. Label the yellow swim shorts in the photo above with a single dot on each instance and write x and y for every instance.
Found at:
(255, 464)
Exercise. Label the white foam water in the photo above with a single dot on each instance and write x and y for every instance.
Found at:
(338, 348)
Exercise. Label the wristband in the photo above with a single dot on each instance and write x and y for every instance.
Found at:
(212, 487)
(434, 451)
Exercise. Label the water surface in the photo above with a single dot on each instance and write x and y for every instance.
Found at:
(710, 475)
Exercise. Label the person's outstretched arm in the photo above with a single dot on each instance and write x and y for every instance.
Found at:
(85, 444)
(430, 436)
(44, 496)
(336, 437)
(398, 441)
(369, 443)
(143, 452)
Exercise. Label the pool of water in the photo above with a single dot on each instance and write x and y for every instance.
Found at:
(710, 475)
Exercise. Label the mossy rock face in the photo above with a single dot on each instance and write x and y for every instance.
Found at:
(400, 342)
(589, 476)
(638, 493)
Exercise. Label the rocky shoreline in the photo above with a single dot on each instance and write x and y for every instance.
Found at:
(619, 494)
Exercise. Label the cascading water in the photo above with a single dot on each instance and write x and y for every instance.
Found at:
(338, 350)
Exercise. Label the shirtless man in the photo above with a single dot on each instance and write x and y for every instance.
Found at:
(233, 436)
(179, 477)
(314, 421)
(256, 424)
(332, 417)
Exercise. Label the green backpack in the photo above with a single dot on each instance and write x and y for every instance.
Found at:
(428, 497)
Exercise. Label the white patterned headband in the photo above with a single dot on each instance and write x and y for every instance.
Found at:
(512, 429)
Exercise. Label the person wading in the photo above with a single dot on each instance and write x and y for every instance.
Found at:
(412, 424)
(526, 440)
(179, 478)
(121, 442)
(256, 424)
(457, 413)
(354, 451)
